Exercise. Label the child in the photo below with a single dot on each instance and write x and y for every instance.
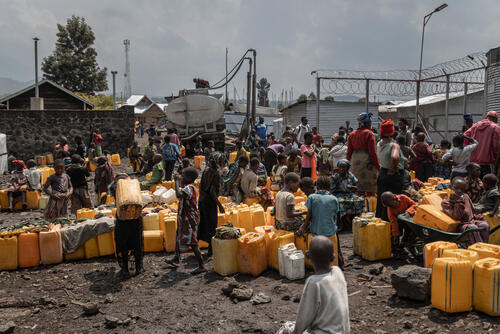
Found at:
(78, 175)
(294, 162)
(324, 305)
(308, 157)
(278, 173)
(240, 151)
(491, 198)
(324, 167)
(249, 180)
(266, 197)
(156, 175)
(62, 145)
(286, 217)
(322, 209)
(59, 193)
(185, 164)
(442, 168)
(81, 149)
(422, 163)
(34, 176)
(396, 205)
(307, 186)
(261, 171)
(103, 176)
(149, 152)
(209, 149)
(474, 186)
(459, 207)
(18, 186)
(188, 219)
(171, 153)
(460, 155)
(134, 155)
(231, 182)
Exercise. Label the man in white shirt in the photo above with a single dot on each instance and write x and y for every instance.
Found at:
(302, 129)
(323, 306)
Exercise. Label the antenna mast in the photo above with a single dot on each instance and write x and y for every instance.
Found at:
(128, 86)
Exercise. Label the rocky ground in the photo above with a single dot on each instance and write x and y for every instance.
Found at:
(88, 297)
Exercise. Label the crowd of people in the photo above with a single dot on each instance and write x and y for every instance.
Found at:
(335, 177)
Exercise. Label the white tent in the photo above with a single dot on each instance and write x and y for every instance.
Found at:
(3, 153)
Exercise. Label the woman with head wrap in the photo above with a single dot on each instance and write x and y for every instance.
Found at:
(209, 202)
(362, 153)
(391, 174)
(344, 186)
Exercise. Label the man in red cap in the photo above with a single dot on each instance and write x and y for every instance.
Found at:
(487, 134)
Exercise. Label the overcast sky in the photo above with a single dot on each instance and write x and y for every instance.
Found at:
(174, 41)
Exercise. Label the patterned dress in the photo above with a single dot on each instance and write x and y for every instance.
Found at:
(188, 219)
(349, 202)
(474, 189)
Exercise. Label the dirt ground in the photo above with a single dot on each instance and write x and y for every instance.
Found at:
(48, 299)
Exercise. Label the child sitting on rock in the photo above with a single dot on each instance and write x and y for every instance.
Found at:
(490, 199)
(460, 207)
(324, 306)
(396, 205)
(18, 186)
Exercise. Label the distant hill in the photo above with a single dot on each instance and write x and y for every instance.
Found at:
(8, 86)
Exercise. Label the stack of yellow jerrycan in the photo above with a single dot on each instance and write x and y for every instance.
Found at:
(486, 286)
(266, 231)
(434, 250)
(451, 285)
(252, 254)
(371, 238)
(150, 222)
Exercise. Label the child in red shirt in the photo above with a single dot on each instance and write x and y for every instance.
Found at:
(396, 205)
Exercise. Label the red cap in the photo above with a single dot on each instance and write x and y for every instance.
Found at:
(492, 113)
(387, 128)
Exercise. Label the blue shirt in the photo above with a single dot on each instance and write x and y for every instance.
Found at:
(324, 208)
(170, 152)
(261, 130)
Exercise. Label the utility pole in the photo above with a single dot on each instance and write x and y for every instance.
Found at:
(254, 86)
(36, 39)
(113, 73)
(249, 83)
(225, 104)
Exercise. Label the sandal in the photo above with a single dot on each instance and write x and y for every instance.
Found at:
(198, 270)
(171, 263)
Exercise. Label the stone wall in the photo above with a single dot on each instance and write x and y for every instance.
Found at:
(33, 132)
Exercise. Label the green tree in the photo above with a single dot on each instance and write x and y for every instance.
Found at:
(302, 98)
(73, 63)
(263, 87)
(312, 96)
(329, 98)
(100, 101)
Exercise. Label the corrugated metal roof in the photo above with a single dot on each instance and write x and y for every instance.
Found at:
(432, 99)
(134, 99)
(140, 110)
(162, 105)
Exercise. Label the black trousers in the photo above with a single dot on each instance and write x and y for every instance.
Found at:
(169, 169)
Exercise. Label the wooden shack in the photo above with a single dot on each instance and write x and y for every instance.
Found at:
(55, 97)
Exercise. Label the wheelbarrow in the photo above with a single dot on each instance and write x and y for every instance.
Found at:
(416, 235)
